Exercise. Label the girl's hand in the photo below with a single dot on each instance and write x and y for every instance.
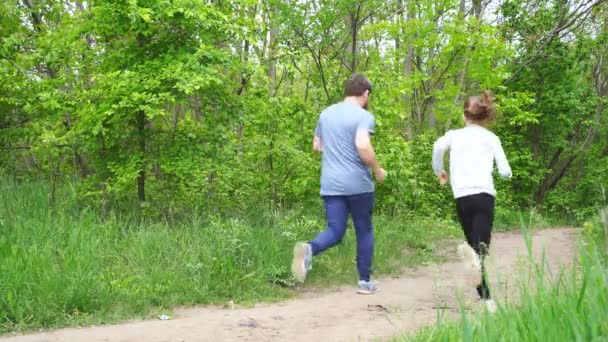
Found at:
(443, 178)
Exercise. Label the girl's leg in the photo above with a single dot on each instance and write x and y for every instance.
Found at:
(482, 228)
(465, 216)
(466, 208)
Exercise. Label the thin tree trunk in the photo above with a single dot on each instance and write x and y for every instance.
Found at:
(354, 31)
(52, 179)
(272, 75)
(407, 66)
(272, 51)
(536, 132)
(141, 122)
(431, 106)
(141, 139)
(461, 80)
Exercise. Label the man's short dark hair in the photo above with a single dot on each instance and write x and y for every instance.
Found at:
(357, 85)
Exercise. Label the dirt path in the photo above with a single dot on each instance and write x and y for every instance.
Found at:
(405, 304)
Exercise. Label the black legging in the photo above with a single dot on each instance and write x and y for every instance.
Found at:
(476, 215)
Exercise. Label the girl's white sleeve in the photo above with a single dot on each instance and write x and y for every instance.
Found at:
(504, 169)
(439, 148)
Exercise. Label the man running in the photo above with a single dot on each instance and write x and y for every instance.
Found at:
(342, 136)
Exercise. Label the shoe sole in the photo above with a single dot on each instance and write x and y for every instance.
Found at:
(297, 265)
(366, 292)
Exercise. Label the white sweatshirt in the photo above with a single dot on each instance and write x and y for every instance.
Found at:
(473, 150)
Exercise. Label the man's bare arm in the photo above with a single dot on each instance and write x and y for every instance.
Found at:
(368, 155)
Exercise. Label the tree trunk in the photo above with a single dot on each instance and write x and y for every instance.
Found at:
(272, 75)
(536, 132)
(431, 106)
(141, 122)
(141, 139)
(479, 7)
(461, 79)
(77, 159)
(273, 33)
(408, 99)
(354, 31)
(52, 179)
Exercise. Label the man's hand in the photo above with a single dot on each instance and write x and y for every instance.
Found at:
(380, 174)
(316, 144)
(443, 178)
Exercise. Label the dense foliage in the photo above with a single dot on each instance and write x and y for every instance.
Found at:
(170, 106)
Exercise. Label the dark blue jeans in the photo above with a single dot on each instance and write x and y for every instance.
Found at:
(360, 208)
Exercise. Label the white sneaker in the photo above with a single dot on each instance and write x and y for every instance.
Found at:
(471, 265)
(470, 258)
(490, 305)
(302, 260)
(367, 287)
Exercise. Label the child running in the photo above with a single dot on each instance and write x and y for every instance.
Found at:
(473, 150)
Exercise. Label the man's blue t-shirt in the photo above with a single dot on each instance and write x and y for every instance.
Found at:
(342, 170)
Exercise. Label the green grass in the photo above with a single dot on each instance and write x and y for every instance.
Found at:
(574, 308)
(61, 268)
(509, 219)
(65, 267)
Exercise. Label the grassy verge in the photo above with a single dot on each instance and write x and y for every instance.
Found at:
(575, 308)
(509, 219)
(59, 269)
(63, 268)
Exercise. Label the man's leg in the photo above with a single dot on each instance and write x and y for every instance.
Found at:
(336, 212)
(361, 209)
